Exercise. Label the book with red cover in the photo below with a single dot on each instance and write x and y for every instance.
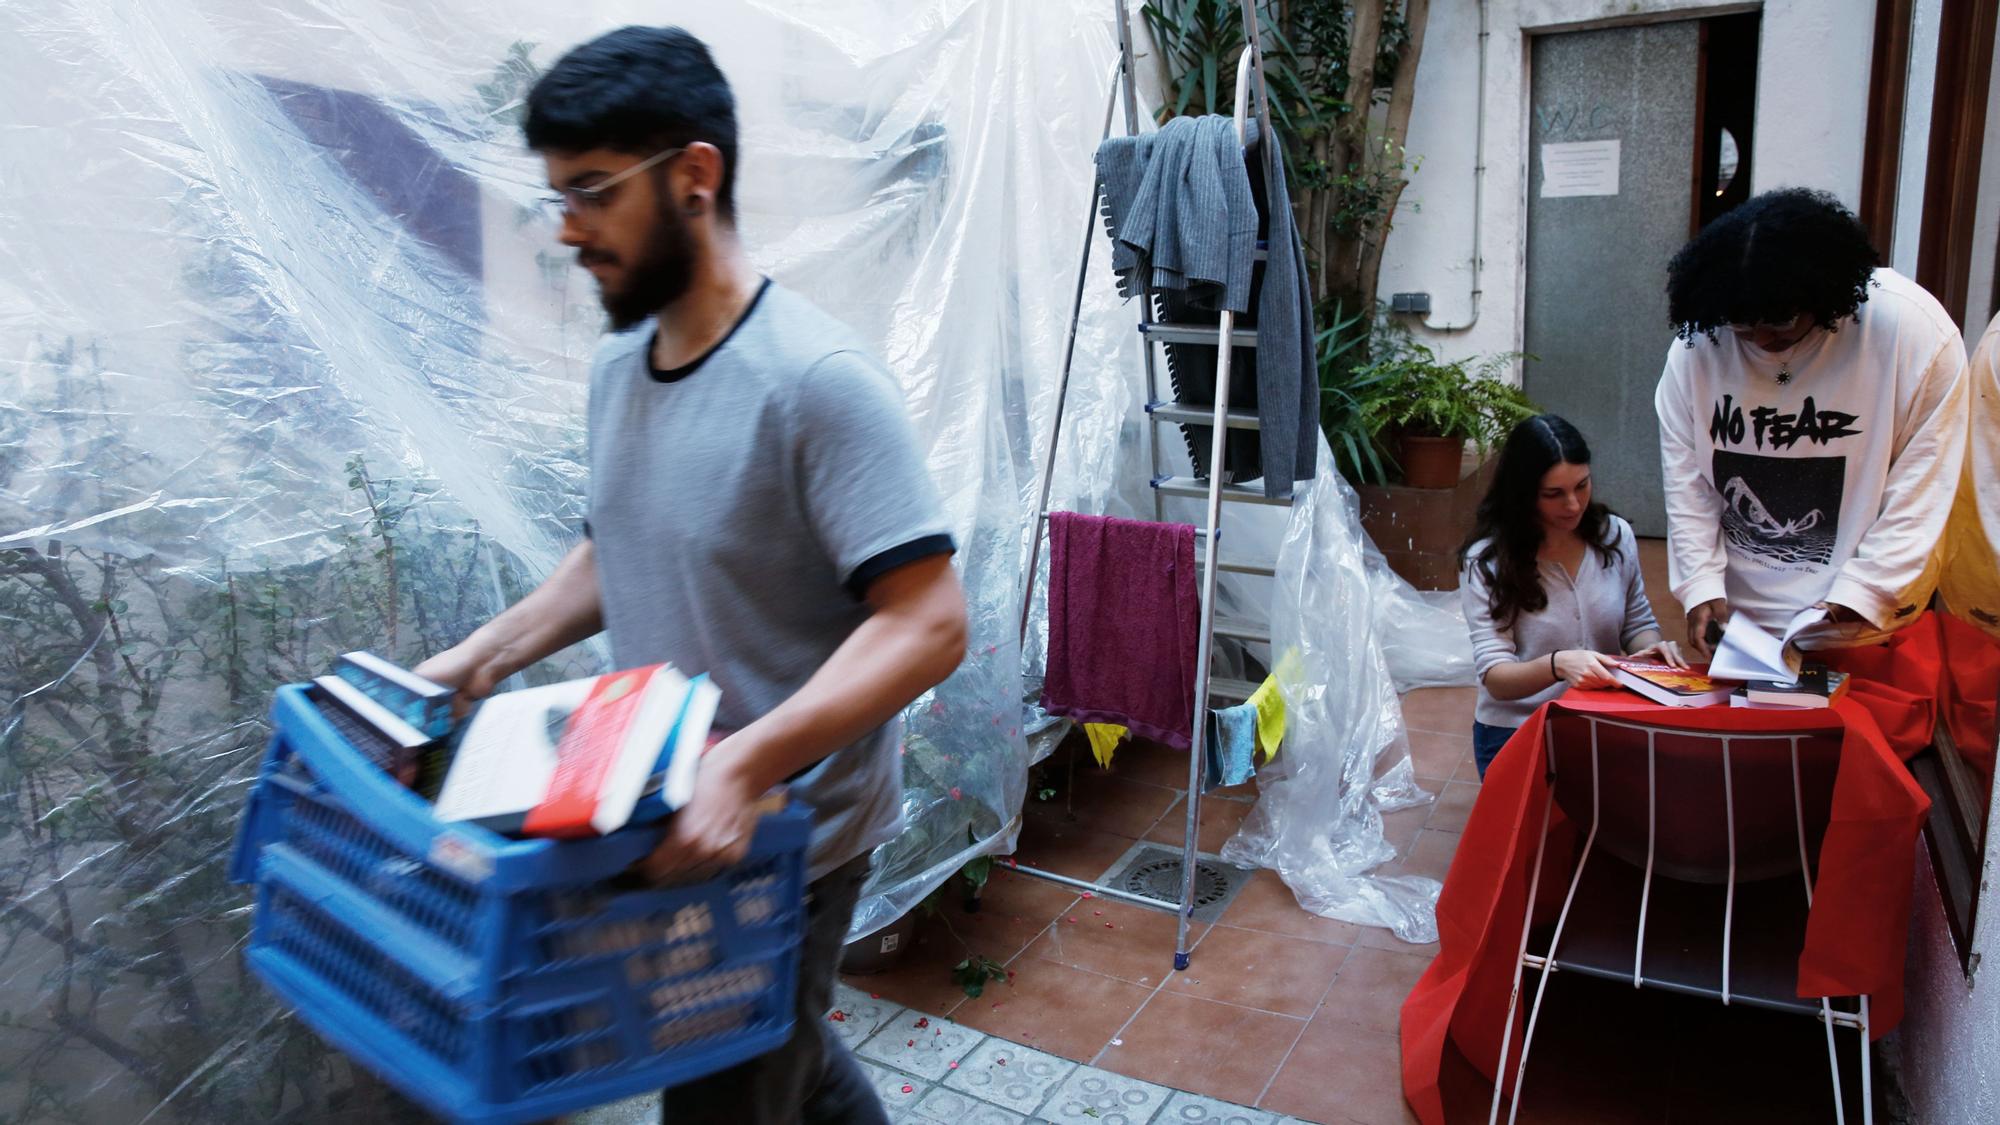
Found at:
(1673, 687)
(575, 759)
(626, 726)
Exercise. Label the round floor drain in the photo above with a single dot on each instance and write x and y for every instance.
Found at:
(1161, 879)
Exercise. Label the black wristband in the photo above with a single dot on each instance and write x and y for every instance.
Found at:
(1553, 674)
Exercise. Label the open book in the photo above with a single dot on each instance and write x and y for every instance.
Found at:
(574, 759)
(1747, 652)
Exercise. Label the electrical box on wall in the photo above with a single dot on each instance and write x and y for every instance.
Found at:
(1416, 303)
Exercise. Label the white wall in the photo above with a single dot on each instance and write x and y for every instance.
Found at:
(1980, 298)
(1914, 159)
(1812, 101)
(1951, 1027)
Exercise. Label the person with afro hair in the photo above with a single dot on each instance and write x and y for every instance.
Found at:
(1812, 426)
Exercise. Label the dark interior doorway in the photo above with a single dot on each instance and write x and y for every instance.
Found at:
(1725, 115)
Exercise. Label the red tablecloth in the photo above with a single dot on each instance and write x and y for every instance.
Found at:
(1858, 926)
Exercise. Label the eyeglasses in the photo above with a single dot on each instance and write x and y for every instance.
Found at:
(582, 203)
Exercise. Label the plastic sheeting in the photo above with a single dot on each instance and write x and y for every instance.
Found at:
(290, 365)
(1346, 758)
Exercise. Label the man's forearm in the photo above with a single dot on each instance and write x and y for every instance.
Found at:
(561, 611)
(895, 656)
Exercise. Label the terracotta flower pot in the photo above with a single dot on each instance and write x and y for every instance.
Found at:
(1430, 462)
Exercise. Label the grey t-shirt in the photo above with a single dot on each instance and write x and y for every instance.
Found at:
(740, 506)
(1602, 608)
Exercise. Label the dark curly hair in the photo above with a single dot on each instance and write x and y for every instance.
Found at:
(1769, 259)
(1510, 526)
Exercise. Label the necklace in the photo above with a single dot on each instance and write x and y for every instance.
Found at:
(1784, 374)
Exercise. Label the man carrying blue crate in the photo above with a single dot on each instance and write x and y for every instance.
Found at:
(758, 510)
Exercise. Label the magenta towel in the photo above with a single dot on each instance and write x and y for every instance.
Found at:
(1123, 617)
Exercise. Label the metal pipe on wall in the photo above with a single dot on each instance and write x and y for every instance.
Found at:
(1478, 180)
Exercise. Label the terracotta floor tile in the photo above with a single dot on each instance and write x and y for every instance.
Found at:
(1445, 710)
(1339, 1073)
(1267, 904)
(1104, 802)
(1437, 755)
(1144, 761)
(1220, 818)
(1130, 943)
(1055, 1008)
(1203, 1047)
(1468, 769)
(1653, 567)
(1013, 911)
(1252, 969)
(1068, 848)
(1429, 854)
(921, 980)
(1453, 807)
(1370, 988)
(1400, 828)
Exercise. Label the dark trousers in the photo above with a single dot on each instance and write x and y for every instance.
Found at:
(813, 1078)
(1486, 743)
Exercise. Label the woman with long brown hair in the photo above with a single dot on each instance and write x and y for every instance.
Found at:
(1550, 583)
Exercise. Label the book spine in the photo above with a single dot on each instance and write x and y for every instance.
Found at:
(587, 753)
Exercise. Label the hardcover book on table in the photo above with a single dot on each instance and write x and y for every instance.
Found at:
(1670, 686)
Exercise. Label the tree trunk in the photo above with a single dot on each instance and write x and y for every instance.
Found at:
(1402, 94)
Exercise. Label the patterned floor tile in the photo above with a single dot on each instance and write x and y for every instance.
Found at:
(1090, 1096)
(925, 1046)
(860, 1014)
(1191, 1109)
(1010, 1075)
(950, 1107)
(897, 1090)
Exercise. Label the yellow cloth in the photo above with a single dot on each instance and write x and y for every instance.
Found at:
(1104, 740)
(1971, 585)
(1270, 705)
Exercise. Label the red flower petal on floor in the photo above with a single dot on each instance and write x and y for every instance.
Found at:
(874, 996)
(1108, 926)
(837, 1017)
(911, 1043)
(954, 1066)
(1087, 894)
(1072, 920)
(955, 794)
(923, 1021)
(1099, 913)
(909, 1089)
(1003, 1062)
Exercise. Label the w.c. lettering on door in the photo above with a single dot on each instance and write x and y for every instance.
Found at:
(1561, 118)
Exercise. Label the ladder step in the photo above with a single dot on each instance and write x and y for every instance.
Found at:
(1239, 629)
(1188, 414)
(1263, 570)
(1198, 490)
(1209, 334)
(1221, 687)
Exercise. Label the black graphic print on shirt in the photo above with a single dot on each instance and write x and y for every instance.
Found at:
(1783, 511)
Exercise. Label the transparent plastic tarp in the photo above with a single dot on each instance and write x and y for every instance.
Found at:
(1346, 757)
(289, 365)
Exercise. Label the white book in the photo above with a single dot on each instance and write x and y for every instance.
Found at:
(1747, 652)
(503, 763)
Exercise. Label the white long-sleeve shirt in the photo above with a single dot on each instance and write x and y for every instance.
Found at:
(1833, 486)
(1971, 582)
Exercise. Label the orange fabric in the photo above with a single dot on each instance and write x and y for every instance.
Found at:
(1855, 934)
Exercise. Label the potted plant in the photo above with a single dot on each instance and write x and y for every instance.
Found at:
(1428, 408)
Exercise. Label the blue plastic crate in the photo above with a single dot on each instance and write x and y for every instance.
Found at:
(498, 980)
